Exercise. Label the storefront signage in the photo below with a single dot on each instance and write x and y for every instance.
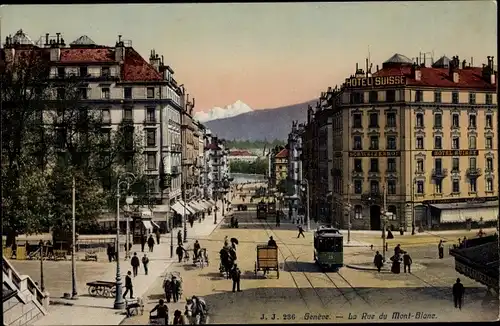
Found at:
(474, 200)
(374, 153)
(476, 275)
(375, 81)
(456, 152)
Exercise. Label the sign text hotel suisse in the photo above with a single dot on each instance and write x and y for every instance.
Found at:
(375, 81)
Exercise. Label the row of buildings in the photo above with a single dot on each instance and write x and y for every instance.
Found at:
(126, 88)
(416, 138)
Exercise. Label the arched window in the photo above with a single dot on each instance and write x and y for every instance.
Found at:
(358, 209)
(392, 209)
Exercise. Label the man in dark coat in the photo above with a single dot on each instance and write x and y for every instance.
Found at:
(151, 243)
(167, 288)
(145, 263)
(180, 252)
(179, 237)
(110, 251)
(378, 261)
(128, 286)
(161, 312)
(271, 242)
(143, 242)
(196, 249)
(236, 277)
(407, 262)
(458, 294)
(301, 232)
(135, 264)
(278, 219)
(158, 235)
(397, 250)
(176, 288)
(441, 249)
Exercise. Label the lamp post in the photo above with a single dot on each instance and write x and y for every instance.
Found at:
(384, 220)
(306, 185)
(119, 303)
(74, 293)
(42, 285)
(348, 211)
(215, 207)
(129, 200)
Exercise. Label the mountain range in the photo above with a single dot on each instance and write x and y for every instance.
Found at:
(265, 124)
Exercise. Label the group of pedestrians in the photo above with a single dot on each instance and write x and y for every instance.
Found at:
(150, 241)
(400, 257)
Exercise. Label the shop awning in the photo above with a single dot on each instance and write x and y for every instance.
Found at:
(205, 204)
(189, 210)
(211, 202)
(147, 225)
(200, 205)
(178, 208)
(193, 205)
(462, 211)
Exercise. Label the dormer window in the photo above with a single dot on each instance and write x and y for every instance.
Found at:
(105, 72)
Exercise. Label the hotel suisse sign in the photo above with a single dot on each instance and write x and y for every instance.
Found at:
(456, 152)
(374, 153)
(375, 81)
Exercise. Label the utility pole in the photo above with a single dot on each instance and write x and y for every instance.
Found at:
(349, 213)
(384, 216)
(74, 293)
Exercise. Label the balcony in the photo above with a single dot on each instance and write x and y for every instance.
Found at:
(372, 198)
(473, 173)
(391, 172)
(373, 173)
(356, 173)
(150, 122)
(439, 174)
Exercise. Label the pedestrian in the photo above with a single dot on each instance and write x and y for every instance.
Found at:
(128, 285)
(278, 219)
(397, 250)
(458, 294)
(378, 261)
(301, 232)
(407, 262)
(110, 252)
(135, 264)
(396, 264)
(441, 249)
(271, 242)
(226, 241)
(178, 318)
(145, 262)
(158, 236)
(143, 242)
(167, 288)
(176, 288)
(191, 221)
(236, 277)
(196, 249)
(151, 243)
(180, 252)
(161, 312)
(179, 238)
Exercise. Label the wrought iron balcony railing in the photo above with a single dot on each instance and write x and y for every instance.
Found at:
(439, 174)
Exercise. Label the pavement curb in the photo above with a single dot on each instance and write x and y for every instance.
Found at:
(365, 268)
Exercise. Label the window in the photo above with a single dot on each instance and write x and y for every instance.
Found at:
(473, 185)
(373, 143)
(391, 164)
(489, 164)
(472, 162)
(151, 138)
(488, 142)
(373, 96)
(438, 142)
(455, 164)
(60, 138)
(420, 143)
(418, 96)
(83, 93)
(105, 93)
(391, 187)
(150, 115)
(127, 114)
(472, 98)
(438, 183)
(438, 164)
(151, 161)
(357, 121)
(150, 92)
(391, 142)
(455, 185)
(454, 98)
(356, 98)
(358, 186)
(106, 115)
(438, 120)
(420, 120)
(358, 212)
(472, 142)
(472, 121)
(374, 188)
(358, 165)
(489, 121)
(489, 185)
(489, 99)
(391, 120)
(61, 72)
(420, 187)
(455, 120)
(437, 97)
(374, 165)
(390, 96)
(420, 166)
(105, 72)
(61, 93)
(357, 143)
(455, 143)
(373, 120)
(127, 92)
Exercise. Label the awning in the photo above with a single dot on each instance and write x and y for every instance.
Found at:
(194, 207)
(154, 224)
(200, 205)
(460, 213)
(147, 225)
(205, 204)
(211, 202)
(178, 208)
(189, 210)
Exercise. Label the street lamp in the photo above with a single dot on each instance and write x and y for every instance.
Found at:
(129, 178)
(306, 185)
(129, 200)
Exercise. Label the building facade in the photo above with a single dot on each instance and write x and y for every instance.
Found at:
(294, 172)
(425, 136)
(241, 156)
(281, 166)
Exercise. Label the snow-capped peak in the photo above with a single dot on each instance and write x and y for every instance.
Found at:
(228, 111)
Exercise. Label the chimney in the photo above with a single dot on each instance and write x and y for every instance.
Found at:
(471, 61)
(58, 34)
(46, 39)
(55, 50)
(418, 73)
(377, 68)
(154, 60)
(120, 51)
(464, 64)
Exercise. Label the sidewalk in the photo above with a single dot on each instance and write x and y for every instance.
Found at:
(99, 311)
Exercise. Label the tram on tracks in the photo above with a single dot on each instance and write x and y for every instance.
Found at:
(329, 247)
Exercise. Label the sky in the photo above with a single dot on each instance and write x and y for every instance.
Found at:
(270, 54)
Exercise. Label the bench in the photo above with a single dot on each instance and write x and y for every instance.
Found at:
(91, 255)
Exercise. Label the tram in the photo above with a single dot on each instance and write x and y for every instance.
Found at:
(328, 247)
(261, 210)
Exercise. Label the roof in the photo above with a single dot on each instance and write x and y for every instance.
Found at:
(22, 38)
(83, 40)
(398, 58)
(443, 62)
(282, 154)
(241, 153)
(439, 77)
